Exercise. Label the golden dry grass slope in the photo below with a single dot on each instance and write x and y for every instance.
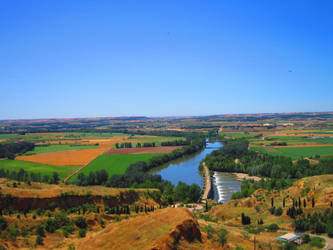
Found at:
(162, 229)
(42, 190)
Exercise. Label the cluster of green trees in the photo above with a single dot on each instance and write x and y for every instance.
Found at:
(317, 222)
(249, 186)
(59, 221)
(175, 143)
(124, 145)
(99, 177)
(262, 164)
(9, 150)
(24, 176)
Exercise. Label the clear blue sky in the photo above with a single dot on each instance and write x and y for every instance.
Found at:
(161, 58)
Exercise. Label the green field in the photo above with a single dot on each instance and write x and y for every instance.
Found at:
(115, 163)
(43, 169)
(297, 140)
(58, 148)
(299, 152)
(237, 135)
(154, 139)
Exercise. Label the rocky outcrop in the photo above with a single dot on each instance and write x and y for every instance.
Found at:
(188, 230)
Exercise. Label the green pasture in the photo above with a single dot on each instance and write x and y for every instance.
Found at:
(114, 163)
(43, 169)
(297, 140)
(296, 153)
(58, 148)
(299, 152)
(237, 135)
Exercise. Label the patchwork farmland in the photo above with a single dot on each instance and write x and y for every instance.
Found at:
(70, 153)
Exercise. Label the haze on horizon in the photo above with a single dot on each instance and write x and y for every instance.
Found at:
(67, 59)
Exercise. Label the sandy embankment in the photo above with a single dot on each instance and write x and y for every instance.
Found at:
(242, 176)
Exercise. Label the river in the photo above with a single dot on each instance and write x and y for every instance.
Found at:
(186, 168)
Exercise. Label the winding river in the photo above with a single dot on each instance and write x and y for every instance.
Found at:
(185, 169)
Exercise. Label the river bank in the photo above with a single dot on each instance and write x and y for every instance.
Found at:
(207, 182)
(242, 176)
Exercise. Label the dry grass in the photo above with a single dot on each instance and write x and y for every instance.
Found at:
(42, 190)
(138, 233)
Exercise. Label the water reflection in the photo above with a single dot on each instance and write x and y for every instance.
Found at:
(186, 170)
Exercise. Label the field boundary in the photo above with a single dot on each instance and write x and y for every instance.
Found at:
(80, 168)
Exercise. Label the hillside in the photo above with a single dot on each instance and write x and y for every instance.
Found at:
(162, 229)
(257, 207)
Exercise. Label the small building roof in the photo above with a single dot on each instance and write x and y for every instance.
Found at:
(289, 237)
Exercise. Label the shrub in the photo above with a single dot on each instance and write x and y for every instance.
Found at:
(13, 232)
(40, 230)
(319, 228)
(273, 228)
(3, 223)
(272, 210)
(82, 232)
(317, 242)
(278, 211)
(66, 230)
(24, 231)
(80, 222)
(39, 240)
(222, 236)
(306, 238)
(50, 226)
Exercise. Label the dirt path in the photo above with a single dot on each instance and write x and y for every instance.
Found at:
(80, 168)
(208, 184)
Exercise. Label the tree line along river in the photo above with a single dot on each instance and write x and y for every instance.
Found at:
(186, 169)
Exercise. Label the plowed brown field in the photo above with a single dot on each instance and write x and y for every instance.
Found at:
(148, 150)
(75, 157)
(65, 158)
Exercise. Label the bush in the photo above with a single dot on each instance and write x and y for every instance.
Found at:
(50, 226)
(39, 240)
(222, 236)
(273, 228)
(319, 228)
(66, 230)
(306, 238)
(278, 211)
(3, 223)
(317, 242)
(13, 232)
(82, 232)
(80, 222)
(24, 231)
(40, 230)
